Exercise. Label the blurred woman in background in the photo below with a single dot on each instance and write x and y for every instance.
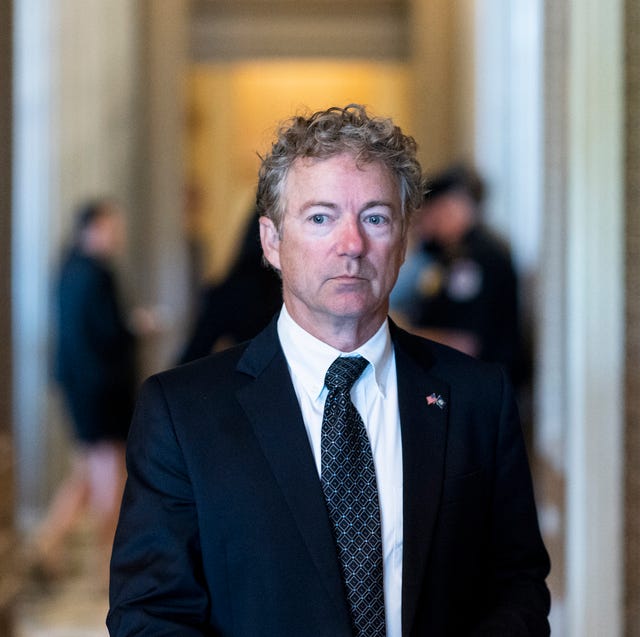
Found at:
(95, 367)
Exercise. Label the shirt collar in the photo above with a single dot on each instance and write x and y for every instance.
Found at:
(309, 358)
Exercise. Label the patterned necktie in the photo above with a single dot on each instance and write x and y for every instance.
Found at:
(349, 484)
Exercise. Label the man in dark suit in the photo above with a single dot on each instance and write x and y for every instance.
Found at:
(335, 476)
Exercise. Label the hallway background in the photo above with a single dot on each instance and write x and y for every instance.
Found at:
(165, 104)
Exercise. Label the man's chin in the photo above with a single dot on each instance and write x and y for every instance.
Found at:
(355, 309)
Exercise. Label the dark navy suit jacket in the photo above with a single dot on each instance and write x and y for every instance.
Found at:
(224, 529)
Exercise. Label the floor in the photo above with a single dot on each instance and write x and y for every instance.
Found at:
(74, 606)
(71, 612)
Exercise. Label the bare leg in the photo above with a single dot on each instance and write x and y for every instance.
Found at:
(107, 477)
(66, 507)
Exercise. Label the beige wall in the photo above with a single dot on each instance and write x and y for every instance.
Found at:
(442, 64)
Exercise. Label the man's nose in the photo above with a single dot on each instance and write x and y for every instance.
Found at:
(351, 239)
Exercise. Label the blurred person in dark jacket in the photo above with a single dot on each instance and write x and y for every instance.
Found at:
(464, 288)
(95, 368)
(238, 307)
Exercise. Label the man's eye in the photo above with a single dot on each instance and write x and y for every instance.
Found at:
(376, 220)
(319, 219)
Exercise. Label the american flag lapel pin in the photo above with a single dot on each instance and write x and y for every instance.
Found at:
(437, 400)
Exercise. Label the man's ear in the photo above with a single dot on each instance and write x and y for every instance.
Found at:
(270, 240)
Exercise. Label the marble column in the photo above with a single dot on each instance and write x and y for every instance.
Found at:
(550, 382)
(580, 371)
(162, 273)
(8, 540)
(594, 329)
(632, 341)
(77, 114)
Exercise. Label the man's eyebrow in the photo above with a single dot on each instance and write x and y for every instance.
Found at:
(312, 203)
(333, 206)
(378, 203)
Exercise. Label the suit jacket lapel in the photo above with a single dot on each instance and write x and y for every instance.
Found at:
(424, 426)
(271, 405)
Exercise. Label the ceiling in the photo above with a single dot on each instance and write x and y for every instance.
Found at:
(240, 29)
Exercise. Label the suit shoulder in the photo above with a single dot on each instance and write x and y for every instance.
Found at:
(215, 369)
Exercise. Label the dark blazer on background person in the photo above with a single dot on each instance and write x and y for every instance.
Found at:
(224, 529)
(95, 352)
(239, 306)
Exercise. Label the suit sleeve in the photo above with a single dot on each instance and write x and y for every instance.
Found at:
(520, 563)
(157, 586)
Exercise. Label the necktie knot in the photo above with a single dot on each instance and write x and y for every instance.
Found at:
(344, 371)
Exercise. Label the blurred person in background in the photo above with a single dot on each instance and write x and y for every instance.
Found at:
(459, 285)
(95, 368)
(238, 307)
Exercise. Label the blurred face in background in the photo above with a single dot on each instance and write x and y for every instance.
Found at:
(447, 218)
(105, 236)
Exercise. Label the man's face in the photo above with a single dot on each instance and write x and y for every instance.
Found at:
(341, 242)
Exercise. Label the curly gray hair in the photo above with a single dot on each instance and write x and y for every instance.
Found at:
(327, 133)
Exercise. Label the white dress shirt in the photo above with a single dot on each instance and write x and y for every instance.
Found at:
(375, 396)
